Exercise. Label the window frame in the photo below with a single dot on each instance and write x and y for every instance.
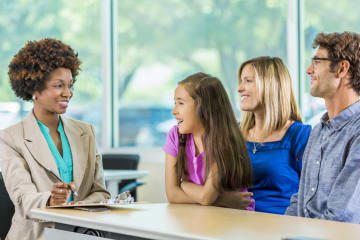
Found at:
(110, 128)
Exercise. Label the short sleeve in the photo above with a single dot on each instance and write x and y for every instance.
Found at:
(172, 142)
(299, 144)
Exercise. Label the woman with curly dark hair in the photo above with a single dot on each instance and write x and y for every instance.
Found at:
(45, 142)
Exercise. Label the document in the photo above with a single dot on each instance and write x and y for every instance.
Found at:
(120, 200)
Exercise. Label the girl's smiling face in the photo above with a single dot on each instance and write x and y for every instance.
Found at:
(185, 112)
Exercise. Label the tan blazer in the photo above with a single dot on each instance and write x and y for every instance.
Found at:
(24, 153)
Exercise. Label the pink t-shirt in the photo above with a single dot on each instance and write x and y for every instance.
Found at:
(195, 164)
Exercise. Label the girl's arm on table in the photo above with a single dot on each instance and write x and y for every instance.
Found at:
(174, 193)
(204, 194)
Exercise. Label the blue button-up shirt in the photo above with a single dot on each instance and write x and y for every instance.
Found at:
(330, 178)
(64, 163)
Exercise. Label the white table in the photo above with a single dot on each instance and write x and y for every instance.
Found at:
(114, 177)
(190, 221)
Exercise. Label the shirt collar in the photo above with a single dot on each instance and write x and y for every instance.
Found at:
(43, 126)
(342, 118)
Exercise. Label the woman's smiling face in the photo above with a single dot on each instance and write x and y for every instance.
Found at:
(58, 91)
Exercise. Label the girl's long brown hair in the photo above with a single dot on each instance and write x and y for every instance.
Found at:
(223, 142)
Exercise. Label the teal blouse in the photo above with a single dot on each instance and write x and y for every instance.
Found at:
(64, 163)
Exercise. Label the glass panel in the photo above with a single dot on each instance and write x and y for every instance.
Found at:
(161, 42)
(75, 22)
(335, 16)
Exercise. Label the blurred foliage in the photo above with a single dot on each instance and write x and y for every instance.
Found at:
(323, 16)
(213, 36)
(76, 23)
(328, 16)
(186, 36)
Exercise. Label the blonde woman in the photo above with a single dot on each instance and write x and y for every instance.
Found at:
(272, 126)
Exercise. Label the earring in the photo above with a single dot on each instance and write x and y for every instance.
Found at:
(34, 98)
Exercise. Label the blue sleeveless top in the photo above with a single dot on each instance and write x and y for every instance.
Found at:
(277, 168)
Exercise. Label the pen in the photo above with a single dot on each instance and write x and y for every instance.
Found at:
(59, 179)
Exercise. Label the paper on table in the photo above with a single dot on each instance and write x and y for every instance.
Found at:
(80, 204)
(122, 199)
(93, 209)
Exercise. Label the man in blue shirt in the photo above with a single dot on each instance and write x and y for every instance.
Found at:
(330, 178)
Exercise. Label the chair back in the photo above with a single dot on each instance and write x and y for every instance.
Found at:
(120, 161)
(6, 210)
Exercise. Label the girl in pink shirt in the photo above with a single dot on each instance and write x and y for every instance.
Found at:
(206, 157)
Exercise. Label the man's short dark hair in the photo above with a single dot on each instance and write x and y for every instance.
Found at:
(342, 46)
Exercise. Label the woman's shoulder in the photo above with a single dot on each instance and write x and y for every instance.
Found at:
(299, 127)
(80, 125)
(298, 131)
(13, 130)
(75, 121)
(13, 135)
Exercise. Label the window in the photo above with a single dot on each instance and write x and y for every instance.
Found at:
(161, 42)
(323, 16)
(76, 23)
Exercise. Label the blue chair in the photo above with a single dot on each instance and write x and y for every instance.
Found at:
(6, 210)
(119, 161)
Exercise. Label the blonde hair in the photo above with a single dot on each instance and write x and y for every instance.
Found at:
(276, 94)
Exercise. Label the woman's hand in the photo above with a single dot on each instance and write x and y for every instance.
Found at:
(235, 199)
(60, 192)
